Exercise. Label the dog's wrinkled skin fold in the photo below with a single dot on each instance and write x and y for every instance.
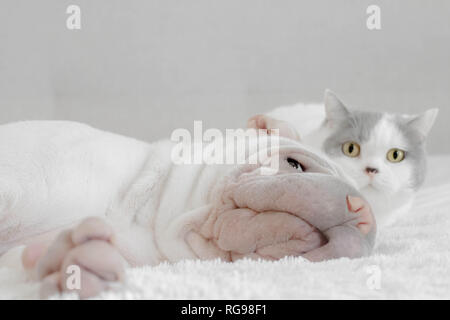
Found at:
(80, 196)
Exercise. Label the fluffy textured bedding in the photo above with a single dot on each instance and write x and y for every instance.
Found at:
(411, 259)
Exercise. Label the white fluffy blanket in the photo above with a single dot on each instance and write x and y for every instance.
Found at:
(412, 259)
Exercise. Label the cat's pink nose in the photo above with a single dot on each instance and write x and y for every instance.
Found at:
(371, 171)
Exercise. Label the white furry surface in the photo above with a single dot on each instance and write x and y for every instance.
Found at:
(413, 254)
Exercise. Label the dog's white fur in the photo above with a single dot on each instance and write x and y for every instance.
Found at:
(47, 167)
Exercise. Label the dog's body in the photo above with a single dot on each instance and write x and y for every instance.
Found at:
(56, 174)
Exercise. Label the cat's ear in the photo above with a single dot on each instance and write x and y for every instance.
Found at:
(334, 109)
(423, 122)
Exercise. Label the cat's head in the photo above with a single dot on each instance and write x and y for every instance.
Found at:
(382, 151)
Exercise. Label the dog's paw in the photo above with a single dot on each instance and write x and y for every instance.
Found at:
(81, 260)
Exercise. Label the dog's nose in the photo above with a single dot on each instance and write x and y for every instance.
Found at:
(360, 207)
(371, 171)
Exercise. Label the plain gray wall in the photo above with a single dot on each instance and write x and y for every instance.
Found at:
(143, 68)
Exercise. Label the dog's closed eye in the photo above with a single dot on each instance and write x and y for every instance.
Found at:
(295, 164)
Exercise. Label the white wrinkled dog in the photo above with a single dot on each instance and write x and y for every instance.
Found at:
(137, 207)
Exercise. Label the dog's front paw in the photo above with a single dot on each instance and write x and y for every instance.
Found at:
(81, 260)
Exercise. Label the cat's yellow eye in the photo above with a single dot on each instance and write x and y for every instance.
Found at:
(395, 155)
(351, 149)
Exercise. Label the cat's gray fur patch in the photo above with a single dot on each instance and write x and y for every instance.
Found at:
(357, 127)
(416, 153)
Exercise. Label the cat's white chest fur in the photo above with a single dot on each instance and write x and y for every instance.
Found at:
(387, 207)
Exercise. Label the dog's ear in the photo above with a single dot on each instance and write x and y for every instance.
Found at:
(264, 122)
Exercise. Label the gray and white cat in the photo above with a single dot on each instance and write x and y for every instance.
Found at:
(384, 153)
